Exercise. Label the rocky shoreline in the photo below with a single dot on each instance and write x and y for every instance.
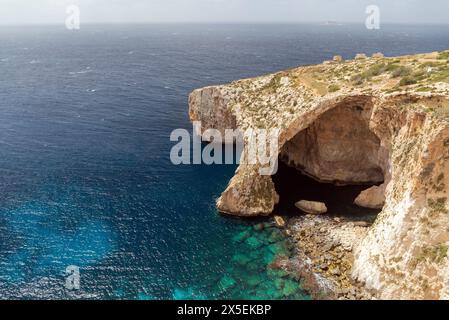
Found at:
(377, 121)
(323, 255)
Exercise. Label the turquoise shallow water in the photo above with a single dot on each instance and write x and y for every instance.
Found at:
(85, 176)
(248, 274)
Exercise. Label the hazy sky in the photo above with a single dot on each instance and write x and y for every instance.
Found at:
(117, 11)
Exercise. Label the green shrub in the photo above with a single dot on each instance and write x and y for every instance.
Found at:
(401, 72)
(443, 55)
(392, 67)
(333, 88)
(358, 79)
(424, 89)
(376, 70)
(441, 75)
(407, 81)
(367, 75)
(430, 64)
(437, 205)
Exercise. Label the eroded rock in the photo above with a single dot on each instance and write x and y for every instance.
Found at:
(373, 198)
(338, 59)
(340, 146)
(360, 56)
(311, 207)
(404, 254)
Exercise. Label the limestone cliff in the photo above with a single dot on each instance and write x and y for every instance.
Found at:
(378, 120)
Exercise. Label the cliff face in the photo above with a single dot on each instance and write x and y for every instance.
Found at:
(377, 120)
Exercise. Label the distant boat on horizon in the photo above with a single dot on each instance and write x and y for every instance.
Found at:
(332, 23)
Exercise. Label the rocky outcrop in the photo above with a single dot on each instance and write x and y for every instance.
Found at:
(248, 194)
(209, 106)
(377, 120)
(323, 256)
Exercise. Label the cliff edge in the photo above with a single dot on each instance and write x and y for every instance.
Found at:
(369, 120)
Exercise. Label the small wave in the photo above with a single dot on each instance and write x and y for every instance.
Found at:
(87, 70)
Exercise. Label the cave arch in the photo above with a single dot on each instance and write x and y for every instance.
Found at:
(340, 157)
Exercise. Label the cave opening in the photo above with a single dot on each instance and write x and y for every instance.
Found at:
(292, 186)
(332, 161)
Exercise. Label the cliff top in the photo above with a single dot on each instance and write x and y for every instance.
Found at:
(276, 96)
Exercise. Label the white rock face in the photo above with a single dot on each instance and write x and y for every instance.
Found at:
(371, 132)
(284, 81)
(208, 105)
(404, 255)
(360, 56)
(311, 207)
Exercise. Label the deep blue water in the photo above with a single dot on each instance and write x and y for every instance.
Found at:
(85, 176)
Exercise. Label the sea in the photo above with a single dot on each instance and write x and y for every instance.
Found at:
(87, 188)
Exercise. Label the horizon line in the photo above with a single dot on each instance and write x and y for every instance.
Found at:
(329, 23)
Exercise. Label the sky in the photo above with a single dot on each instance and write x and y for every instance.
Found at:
(222, 11)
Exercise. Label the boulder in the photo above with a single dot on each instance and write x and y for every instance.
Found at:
(338, 59)
(373, 198)
(311, 207)
(378, 55)
(284, 81)
(280, 222)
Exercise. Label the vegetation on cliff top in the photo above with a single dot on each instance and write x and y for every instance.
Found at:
(272, 99)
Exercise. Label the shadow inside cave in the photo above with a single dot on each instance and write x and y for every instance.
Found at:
(292, 186)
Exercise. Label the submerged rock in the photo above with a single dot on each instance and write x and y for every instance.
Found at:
(259, 227)
(278, 248)
(241, 259)
(275, 236)
(227, 282)
(254, 280)
(189, 294)
(311, 207)
(241, 236)
(253, 242)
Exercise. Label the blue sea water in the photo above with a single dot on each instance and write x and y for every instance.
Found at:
(85, 175)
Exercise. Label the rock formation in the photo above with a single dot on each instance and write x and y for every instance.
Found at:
(373, 198)
(378, 120)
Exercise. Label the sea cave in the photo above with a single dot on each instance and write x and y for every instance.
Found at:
(333, 160)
